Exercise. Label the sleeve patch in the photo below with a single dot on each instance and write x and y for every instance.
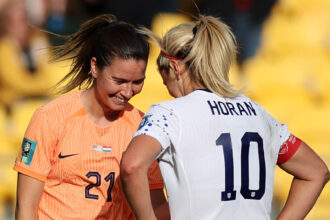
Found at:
(28, 149)
(288, 149)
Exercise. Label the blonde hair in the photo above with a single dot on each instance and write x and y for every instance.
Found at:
(207, 46)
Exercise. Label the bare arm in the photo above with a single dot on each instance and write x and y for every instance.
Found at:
(28, 196)
(136, 160)
(310, 176)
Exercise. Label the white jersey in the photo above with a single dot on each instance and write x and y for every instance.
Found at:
(218, 155)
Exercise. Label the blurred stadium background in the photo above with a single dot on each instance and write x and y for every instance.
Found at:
(289, 74)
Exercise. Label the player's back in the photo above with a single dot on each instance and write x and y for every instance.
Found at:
(225, 151)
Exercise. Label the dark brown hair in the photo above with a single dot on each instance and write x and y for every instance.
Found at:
(102, 37)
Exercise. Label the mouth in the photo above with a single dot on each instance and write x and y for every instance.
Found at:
(121, 100)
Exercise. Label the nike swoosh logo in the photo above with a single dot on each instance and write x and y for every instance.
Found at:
(64, 156)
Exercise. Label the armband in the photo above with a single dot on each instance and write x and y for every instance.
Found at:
(288, 149)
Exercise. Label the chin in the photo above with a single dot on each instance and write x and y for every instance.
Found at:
(116, 107)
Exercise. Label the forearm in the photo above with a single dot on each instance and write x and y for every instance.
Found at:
(136, 188)
(310, 176)
(136, 160)
(302, 197)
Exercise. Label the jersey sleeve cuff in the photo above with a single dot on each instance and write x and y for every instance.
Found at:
(288, 149)
(30, 173)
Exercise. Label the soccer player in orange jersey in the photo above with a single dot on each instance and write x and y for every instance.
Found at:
(68, 167)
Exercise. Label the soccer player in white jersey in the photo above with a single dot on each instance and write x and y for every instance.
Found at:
(217, 149)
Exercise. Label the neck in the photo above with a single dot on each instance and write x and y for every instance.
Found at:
(101, 115)
(189, 86)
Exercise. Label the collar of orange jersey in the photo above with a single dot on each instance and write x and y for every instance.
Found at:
(163, 54)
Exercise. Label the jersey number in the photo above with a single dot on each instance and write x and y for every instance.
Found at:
(109, 178)
(230, 194)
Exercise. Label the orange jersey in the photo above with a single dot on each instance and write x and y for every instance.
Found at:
(79, 161)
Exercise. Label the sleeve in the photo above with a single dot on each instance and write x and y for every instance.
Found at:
(35, 156)
(278, 133)
(162, 124)
(288, 149)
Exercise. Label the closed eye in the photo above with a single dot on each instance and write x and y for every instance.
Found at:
(137, 82)
(120, 81)
(123, 81)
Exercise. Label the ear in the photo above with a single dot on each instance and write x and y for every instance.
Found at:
(176, 68)
(94, 68)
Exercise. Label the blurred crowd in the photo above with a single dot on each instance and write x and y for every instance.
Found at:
(29, 29)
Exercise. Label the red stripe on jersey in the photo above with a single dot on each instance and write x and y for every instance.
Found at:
(288, 149)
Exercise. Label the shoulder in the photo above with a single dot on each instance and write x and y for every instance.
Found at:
(187, 102)
(62, 105)
(132, 115)
(255, 105)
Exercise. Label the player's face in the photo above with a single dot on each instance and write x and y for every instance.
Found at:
(171, 82)
(26, 147)
(117, 83)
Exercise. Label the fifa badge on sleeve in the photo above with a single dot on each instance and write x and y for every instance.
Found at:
(28, 148)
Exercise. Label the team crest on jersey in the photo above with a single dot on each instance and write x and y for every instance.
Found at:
(284, 149)
(144, 121)
(28, 148)
(101, 148)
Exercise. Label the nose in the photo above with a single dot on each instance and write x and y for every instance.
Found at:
(127, 91)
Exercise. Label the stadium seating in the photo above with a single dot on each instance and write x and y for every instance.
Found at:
(17, 81)
(154, 91)
(7, 176)
(290, 77)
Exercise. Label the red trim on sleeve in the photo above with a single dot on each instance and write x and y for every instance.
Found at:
(288, 149)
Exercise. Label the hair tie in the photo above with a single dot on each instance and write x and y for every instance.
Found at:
(169, 57)
(194, 30)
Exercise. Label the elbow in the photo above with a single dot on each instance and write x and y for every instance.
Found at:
(324, 175)
(128, 169)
